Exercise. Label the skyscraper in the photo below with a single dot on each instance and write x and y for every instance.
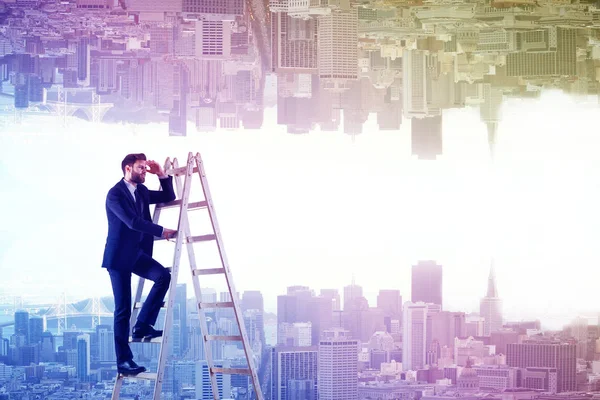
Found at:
(579, 331)
(390, 302)
(83, 58)
(351, 293)
(547, 354)
(213, 39)
(286, 309)
(37, 325)
(297, 334)
(154, 6)
(489, 111)
(253, 320)
(70, 339)
(226, 9)
(426, 137)
(107, 75)
(445, 326)
(566, 50)
(181, 301)
(297, 113)
(162, 84)
(414, 70)
(320, 314)
(290, 309)
(293, 364)
(338, 366)
(106, 343)
(22, 324)
(362, 320)
(203, 384)
(427, 282)
(337, 35)
(294, 46)
(178, 114)
(22, 91)
(414, 335)
(490, 307)
(83, 357)
(557, 54)
(36, 90)
(253, 300)
(47, 347)
(162, 39)
(334, 295)
(303, 294)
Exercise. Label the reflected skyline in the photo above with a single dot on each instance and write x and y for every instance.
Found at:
(326, 65)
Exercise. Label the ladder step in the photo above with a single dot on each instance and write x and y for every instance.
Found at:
(208, 271)
(139, 304)
(201, 238)
(194, 239)
(144, 375)
(179, 171)
(153, 340)
(222, 304)
(176, 203)
(231, 371)
(224, 338)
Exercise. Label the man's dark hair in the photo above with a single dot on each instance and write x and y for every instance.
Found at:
(130, 159)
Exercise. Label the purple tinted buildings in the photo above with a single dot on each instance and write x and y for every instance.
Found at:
(427, 282)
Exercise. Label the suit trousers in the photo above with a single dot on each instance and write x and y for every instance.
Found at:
(147, 268)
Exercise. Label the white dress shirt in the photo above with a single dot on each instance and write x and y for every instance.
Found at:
(132, 189)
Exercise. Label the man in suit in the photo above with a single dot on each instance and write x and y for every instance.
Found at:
(129, 250)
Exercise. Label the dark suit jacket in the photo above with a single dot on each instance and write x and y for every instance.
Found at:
(129, 231)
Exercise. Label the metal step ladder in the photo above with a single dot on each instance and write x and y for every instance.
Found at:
(194, 167)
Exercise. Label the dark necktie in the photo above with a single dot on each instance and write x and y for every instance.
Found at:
(138, 201)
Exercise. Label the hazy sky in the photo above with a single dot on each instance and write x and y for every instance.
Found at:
(317, 209)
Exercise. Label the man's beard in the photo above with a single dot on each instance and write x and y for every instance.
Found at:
(137, 178)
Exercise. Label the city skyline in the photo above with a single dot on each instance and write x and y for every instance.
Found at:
(324, 66)
(480, 363)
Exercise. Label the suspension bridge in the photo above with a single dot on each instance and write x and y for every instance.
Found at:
(95, 309)
(64, 103)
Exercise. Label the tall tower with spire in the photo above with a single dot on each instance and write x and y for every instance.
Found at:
(490, 306)
(489, 112)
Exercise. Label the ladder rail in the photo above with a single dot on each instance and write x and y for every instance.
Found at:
(232, 291)
(164, 348)
(198, 292)
(117, 387)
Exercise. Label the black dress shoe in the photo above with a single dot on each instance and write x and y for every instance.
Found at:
(145, 332)
(130, 368)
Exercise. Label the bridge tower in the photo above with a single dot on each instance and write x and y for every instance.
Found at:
(61, 105)
(18, 116)
(95, 312)
(96, 308)
(17, 303)
(61, 313)
(95, 109)
(97, 113)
